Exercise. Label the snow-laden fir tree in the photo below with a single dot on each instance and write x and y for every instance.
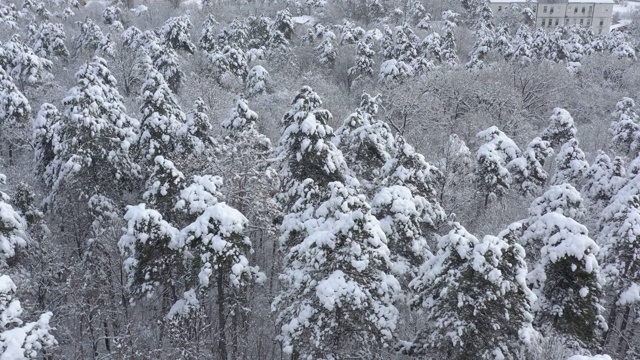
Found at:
(197, 128)
(624, 127)
(476, 302)
(363, 61)
(327, 53)
(493, 177)
(94, 137)
(175, 34)
(228, 64)
(24, 66)
(283, 23)
(92, 39)
(48, 40)
(366, 143)
(603, 179)
(18, 340)
(561, 128)
(571, 165)
(257, 31)
(619, 238)
(528, 171)
(258, 81)
(207, 39)
(14, 106)
(45, 131)
(333, 246)
(161, 119)
(567, 281)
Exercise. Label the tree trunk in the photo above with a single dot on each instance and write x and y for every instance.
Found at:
(222, 326)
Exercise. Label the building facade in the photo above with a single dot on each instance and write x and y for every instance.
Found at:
(551, 13)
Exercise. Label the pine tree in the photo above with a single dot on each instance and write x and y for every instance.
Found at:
(48, 40)
(561, 128)
(161, 119)
(528, 171)
(345, 260)
(95, 135)
(45, 136)
(197, 128)
(624, 127)
(283, 23)
(571, 165)
(14, 106)
(207, 39)
(258, 81)
(494, 179)
(258, 31)
(366, 143)
(567, 280)
(363, 63)
(603, 179)
(175, 34)
(23, 65)
(327, 53)
(475, 298)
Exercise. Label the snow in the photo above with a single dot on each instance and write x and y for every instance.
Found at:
(304, 19)
(625, 7)
(595, 357)
(630, 296)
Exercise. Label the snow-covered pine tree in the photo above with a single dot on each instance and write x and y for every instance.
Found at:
(207, 39)
(14, 106)
(258, 81)
(23, 65)
(161, 119)
(567, 280)
(327, 53)
(175, 34)
(625, 128)
(363, 61)
(366, 143)
(561, 128)
(94, 137)
(475, 299)
(528, 171)
(45, 132)
(48, 40)
(493, 177)
(197, 128)
(332, 244)
(283, 23)
(619, 237)
(603, 179)
(571, 166)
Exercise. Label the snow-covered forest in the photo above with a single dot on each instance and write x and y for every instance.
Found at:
(316, 179)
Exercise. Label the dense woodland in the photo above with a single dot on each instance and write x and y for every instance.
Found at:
(318, 179)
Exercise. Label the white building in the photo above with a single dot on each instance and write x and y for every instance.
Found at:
(595, 14)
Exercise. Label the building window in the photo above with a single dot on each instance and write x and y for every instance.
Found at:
(566, 20)
(601, 22)
(544, 22)
(583, 9)
(588, 22)
(544, 9)
(557, 21)
(575, 11)
(590, 9)
(499, 8)
(551, 10)
(581, 21)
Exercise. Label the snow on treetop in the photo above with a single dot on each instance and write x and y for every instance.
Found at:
(630, 296)
(563, 199)
(564, 237)
(595, 357)
(200, 194)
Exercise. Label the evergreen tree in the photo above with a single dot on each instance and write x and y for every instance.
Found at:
(283, 23)
(94, 137)
(161, 119)
(207, 39)
(624, 127)
(23, 65)
(327, 53)
(528, 171)
(561, 128)
(332, 243)
(175, 34)
(493, 177)
(14, 106)
(477, 304)
(571, 165)
(603, 179)
(48, 40)
(366, 143)
(45, 132)
(363, 62)
(258, 81)
(567, 280)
